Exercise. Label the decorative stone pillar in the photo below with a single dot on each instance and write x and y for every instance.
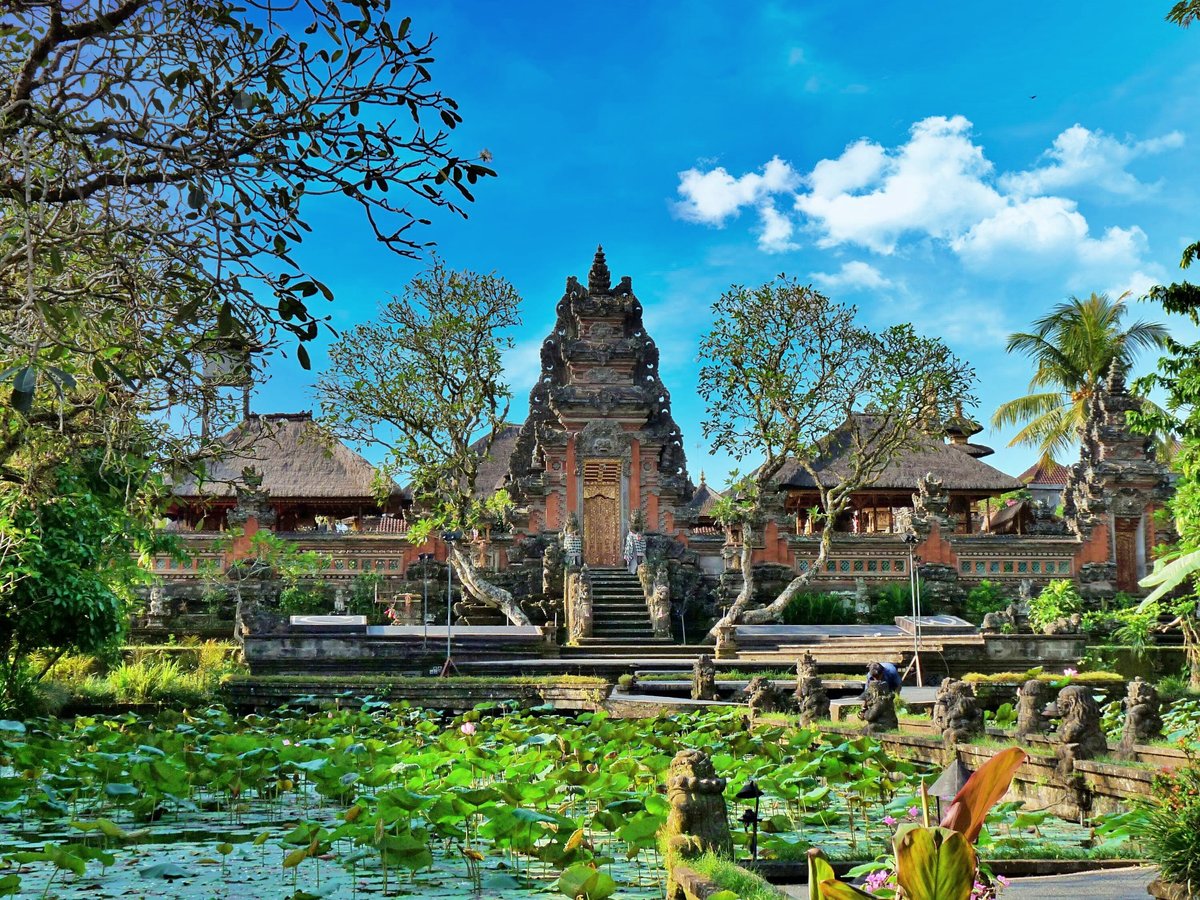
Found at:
(579, 603)
(698, 820)
(812, 700)
(704, 678)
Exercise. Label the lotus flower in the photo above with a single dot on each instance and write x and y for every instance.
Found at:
(467, 728)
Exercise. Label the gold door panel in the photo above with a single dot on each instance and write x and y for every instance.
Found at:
(602, 512)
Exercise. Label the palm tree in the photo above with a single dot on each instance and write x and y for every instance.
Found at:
(1074, 346)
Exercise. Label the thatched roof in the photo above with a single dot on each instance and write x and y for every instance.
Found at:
(493, 470)
(704, 498)
(958, 470)
(296, 458)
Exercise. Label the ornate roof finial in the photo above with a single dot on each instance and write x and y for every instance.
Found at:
(1115, 382)
(702, 478)
(599, 278)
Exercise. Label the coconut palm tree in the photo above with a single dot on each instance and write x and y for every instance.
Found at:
(1073, 346)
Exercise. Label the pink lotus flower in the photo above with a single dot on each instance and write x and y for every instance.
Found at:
(467, 728)
(914, 812)
(1070, 672)
(889, 820)
(286, 742)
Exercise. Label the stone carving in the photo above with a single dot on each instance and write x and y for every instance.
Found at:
(762, 696)
(956, 715)
(599, 278)
(655, 576)
(704, 678)
(602, 437)
(931, 504)
(554, 561)
(879, 708)
(579, 611)
(1031, 701)
(698, 820)
(726, 646)
(253, 501)
(1142, 720)
(1005, 621)
(158, 609)
(1072, 624)
(1079, 735)
(812, 700)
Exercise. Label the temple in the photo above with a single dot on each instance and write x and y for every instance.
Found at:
(601, 448)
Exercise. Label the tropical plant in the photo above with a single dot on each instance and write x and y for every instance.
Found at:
(786, 374)
(1171, 834)
(985, 597)
(426, 384)
(818, 609)
(934, 863)
(1073, 347)
(1057, 600)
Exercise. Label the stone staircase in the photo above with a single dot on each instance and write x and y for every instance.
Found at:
(619, 614)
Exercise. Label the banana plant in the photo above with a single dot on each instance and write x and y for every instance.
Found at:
(933, 863)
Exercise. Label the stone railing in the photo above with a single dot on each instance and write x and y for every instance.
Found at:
(882, 557)
(1003, 558)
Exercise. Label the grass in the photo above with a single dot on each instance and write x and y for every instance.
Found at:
(580, 681)
(745, 675)
(1021, 677)
(729, 876)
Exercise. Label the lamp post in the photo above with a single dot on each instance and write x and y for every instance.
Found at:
(425, 559)
(751, 791)
(451, 538)
(914, 587)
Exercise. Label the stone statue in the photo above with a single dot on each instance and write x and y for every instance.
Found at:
(579, 617)
(1142, 720)
(655, 577)
(704, 678)
(158, 609)
(1005, 621)
(763, 696)
(253, 501)
(1072, 624)
(1030, 703)
(698, 821)
(956, 715)
(553, 562)
(572, 542)
(812, 700)
(1079, 735)
(879, 708)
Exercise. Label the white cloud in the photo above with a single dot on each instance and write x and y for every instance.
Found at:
(714, 196)
(796, 56)
(851, 276)
(938, 189)
(1081, 157)
(776, 234)
(1043, 235)
(932, 185)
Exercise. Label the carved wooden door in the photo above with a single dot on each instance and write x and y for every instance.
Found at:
(602, 512)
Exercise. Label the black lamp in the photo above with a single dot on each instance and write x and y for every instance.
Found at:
(751, 791)
(949, 783)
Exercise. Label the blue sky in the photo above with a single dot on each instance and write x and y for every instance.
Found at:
(960, 166)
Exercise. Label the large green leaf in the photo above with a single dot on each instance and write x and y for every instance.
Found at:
(1165, 579)
(982, 791)
(823, 884)
(934, 863)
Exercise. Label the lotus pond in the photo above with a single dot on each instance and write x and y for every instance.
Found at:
(370, 799)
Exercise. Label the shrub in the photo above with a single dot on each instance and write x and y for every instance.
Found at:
(818, 609)
(303, 600)
(1172, 833)
(888, 602)
(986, 597)
(1058, 600)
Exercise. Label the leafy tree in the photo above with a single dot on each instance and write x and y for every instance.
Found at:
(1176, 576)
(425, 382)
(1073, 347)
(783, 371)
(67, 567)
(157, 160)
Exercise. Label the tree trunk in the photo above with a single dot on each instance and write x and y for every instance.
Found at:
(1191, 643)
(483, 590)
(732, 614)
(773, 611)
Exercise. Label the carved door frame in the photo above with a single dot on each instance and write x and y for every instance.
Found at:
(603, 518)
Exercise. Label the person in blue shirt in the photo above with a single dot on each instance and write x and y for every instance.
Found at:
(885, 672)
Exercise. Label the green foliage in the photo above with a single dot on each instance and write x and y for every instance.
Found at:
(818, 609)
(985, 597)
(68, 566)
(729, 876)
(889, 601)
(1057, 600)
(1073, 347)
(1172, 828)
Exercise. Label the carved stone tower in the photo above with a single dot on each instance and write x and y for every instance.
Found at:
(1117, 481)
(600, 441)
